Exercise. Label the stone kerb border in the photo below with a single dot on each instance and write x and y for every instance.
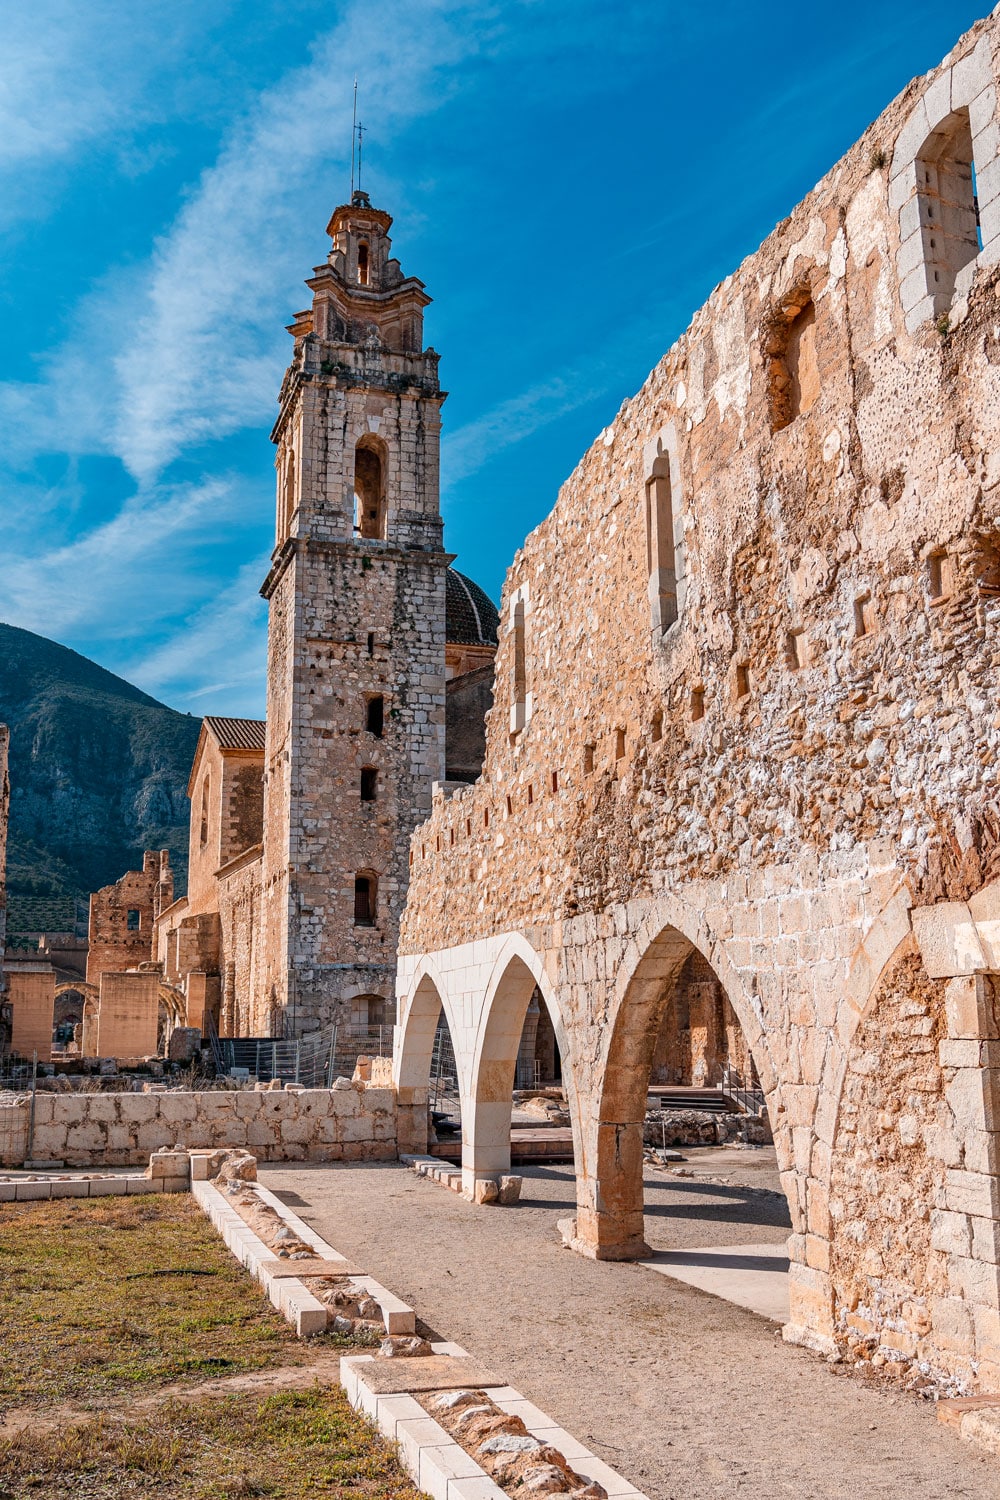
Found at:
(442, 1467)
(291, 1298)
(169, 1172)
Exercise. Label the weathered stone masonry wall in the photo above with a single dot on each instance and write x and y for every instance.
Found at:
(810, 477)
(347, 1123)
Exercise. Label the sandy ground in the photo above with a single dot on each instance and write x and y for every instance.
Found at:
(690, 1397)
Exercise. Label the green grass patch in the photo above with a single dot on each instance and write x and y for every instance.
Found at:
(111, 1295)
(292, 1446)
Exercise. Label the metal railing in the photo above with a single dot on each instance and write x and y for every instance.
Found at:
(314, 1060)
(18, 1083)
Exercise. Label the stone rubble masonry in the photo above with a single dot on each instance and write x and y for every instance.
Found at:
(4, 818)
(122, 917)
(345, 1123)
(746, 703)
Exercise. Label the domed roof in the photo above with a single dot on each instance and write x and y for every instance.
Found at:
(471, 617)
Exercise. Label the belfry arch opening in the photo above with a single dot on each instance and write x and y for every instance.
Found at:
(369, 490)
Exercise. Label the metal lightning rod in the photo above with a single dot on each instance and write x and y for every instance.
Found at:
(354, 131)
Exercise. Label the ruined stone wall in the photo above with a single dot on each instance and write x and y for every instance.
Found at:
(4, 819)
(122, 917)
(245, 1010)
(895, 1140)
(347, 1123)
(746, 687)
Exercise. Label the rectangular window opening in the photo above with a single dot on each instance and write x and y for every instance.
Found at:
(555, 781)
(796, 650)
(697, 704)
(375, 716)
(743, 680)
(133, 920)
(863, 618)
(364, 900)
(619, 743)
(661, 560)
(369, 784)
(588, 759)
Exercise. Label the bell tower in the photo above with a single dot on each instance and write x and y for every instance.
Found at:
(356, 633)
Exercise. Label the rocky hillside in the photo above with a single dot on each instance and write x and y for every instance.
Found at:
(98, 772)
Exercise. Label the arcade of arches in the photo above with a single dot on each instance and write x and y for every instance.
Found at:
(738, 811)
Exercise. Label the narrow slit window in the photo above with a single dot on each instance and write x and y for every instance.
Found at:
(588, 759)
(697, 704)
(619, 744)
(363, 264)
(371, 643)
(375, 716)
(656, 729)
(369, 784)
(742, 680)
(660, 545)
(555, 781)
(864, 617)
(939, 580)
(519, 671)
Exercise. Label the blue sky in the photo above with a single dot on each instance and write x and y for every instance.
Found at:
(570, 179)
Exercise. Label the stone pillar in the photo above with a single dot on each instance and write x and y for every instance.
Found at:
(33, 996)
(485, 1137)
(197, 998)
(968, 1227)
(127, 1019)
(609, 1215)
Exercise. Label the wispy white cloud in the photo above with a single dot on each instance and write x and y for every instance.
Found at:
(220, 653)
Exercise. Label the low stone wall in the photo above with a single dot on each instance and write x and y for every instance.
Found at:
(350, 1122)
(699, 1127)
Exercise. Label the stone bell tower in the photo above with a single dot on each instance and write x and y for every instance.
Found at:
(356, 634)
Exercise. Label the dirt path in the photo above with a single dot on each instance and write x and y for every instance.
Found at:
(690, 1397)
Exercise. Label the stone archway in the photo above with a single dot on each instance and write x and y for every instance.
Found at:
(610, 1208)
(518, 973)
(420, 1011)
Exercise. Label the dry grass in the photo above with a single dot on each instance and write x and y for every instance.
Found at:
(116, 1294)
(297, 1445)
(104, 1303)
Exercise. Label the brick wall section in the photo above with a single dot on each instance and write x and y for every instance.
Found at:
(97, 1130)
(777, 777)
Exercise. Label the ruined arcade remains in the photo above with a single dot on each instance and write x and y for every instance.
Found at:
(747, 708)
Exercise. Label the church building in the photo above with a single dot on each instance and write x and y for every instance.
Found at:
(379, 676)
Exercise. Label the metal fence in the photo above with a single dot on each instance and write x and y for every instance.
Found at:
(18, 1081)
(314, 1060)
(444, 1074)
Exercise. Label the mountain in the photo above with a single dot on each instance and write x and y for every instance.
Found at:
(98, 773)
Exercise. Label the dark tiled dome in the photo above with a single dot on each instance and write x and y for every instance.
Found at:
(471, 617)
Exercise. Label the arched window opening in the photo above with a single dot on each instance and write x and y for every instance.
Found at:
(203, 835)
(363, 271)
(369, 784)
(369, 492)
(375, 715)
(949, 210)
(660, 559)
(365, 900)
